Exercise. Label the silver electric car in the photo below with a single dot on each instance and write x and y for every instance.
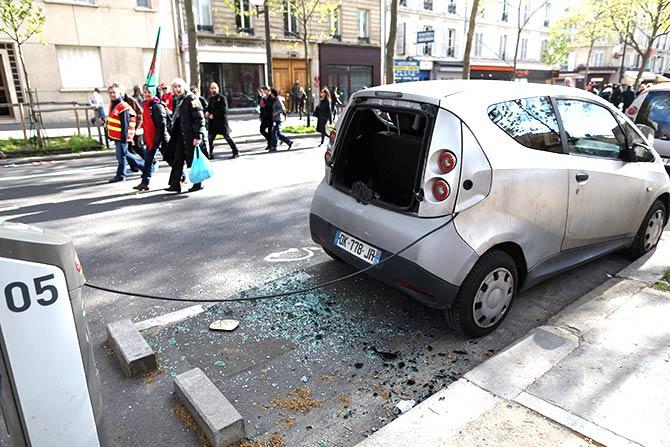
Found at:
(524, 181)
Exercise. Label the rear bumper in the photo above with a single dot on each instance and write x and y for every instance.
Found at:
(398, 272)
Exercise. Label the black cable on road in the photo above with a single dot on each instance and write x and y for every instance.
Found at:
(274, 295)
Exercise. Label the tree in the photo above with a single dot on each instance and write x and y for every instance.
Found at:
(191, 32)
(20, 20)
(649, 19)
(521, 23)
(592, 25)
(390, 43)
(468, 42)
(560, 43)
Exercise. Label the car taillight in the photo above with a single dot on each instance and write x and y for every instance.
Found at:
(328, 157)
(446, 162)
(440, 190)
(331, 139)
(632, 110)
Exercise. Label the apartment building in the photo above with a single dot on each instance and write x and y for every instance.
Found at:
(344, 48)
(493, 43)
(88, 44)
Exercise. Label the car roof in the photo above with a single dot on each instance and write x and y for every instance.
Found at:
(663, 86)
(481, 90)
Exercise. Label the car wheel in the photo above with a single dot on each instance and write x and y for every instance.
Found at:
(650, 231)
(332, 255)
(485, 297)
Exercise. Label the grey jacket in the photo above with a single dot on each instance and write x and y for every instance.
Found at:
(277, 109)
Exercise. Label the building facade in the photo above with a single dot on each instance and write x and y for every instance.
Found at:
(88, 44)
(493, 46)
(343, 49)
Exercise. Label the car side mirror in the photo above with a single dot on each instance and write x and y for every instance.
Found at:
(640, 152)
(648, 133)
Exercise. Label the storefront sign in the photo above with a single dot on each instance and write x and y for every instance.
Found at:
(404, 71)
(425, 36)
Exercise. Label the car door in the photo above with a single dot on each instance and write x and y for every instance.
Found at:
(606, 193)
(655, 113)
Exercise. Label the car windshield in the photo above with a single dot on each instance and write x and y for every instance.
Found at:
(655, 113)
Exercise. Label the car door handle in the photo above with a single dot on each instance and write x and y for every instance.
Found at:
(582, 177)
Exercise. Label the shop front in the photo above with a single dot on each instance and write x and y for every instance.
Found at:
(349, 68)
(491, 72)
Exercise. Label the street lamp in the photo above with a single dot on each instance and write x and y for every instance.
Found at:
(268, 49)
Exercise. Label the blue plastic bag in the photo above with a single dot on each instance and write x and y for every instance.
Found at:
(201, 168)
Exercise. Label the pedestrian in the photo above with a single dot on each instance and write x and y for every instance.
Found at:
(137, 96)
(137, 144)
(265, 106)
(295, 96)
(606, 92)
(121, 129)
(99, 107)
(302, 99)
(217, 115)
(278, 115)
(628, 97)
(188, 132)
(167, 96)
(568, 82)
(616, 95)
(156, 137)
(196, 91)
(323, 113)
(335, 102)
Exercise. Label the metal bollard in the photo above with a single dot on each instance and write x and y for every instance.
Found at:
(49, 384)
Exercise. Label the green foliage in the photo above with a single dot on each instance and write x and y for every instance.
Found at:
(299, 129)
(15, 147)
(559, 45)
(20, 20)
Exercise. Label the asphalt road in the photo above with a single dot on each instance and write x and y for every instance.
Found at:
(358, 347)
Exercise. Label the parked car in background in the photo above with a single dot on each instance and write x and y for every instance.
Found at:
(652, 108)
(526, 180)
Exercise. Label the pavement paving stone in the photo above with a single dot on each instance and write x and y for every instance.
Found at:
(215, 415)
(134, 354)
(650, 267)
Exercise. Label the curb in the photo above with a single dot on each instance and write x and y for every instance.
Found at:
(108, 152)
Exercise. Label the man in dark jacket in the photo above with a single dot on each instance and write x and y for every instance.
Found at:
(156, 135)
(265, 106)
(217, 114)
(188, 132)
(628, 97)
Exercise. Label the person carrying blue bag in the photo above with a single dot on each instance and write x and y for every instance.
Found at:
(188, 137)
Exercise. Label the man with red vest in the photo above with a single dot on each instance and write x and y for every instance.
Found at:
(121, 129)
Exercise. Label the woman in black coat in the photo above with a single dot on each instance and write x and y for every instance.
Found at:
(323, 114)
(188, 131)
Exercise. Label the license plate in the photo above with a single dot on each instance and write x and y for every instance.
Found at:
(360, 249)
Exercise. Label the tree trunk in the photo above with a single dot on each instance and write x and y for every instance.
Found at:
(33, 112)
(588, 63)
(191, 31)
(468, 41)
(645, 59)
(308, 80)
(390, 44)
(516, 52)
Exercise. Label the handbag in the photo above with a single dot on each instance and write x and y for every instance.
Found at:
(201, 168)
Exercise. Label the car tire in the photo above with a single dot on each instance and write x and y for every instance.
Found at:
(332, 255)
(650, 231)
(485, 297)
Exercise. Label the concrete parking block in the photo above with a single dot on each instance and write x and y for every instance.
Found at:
(508, 373)
(134, 354)
(221, 423)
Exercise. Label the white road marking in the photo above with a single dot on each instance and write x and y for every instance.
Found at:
(286, 255)
(171, 318)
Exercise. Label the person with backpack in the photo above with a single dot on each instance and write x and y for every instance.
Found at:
(156, 136)
(278, 115)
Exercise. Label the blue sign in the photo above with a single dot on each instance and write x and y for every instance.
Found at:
(425, 36)
(404, 71)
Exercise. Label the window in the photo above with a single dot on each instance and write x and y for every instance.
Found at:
(364, 25)
(530, 121)
(598, 59)
(428, 5)
(400, 38)
(543, 48)
(526, 11)
(243, 16)
(143, 4)
(402, 3)
(590, 129)
(426, 49)
(204, 15)
(547, 14)
(71, 60)
(479, 43)
(449, 43)
(655, 113)
(502, 47)
(451, 7)
(290, 20)
(504, 17)
(524, 49)
(334, 24)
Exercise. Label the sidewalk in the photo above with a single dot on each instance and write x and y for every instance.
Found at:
(597, 373)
